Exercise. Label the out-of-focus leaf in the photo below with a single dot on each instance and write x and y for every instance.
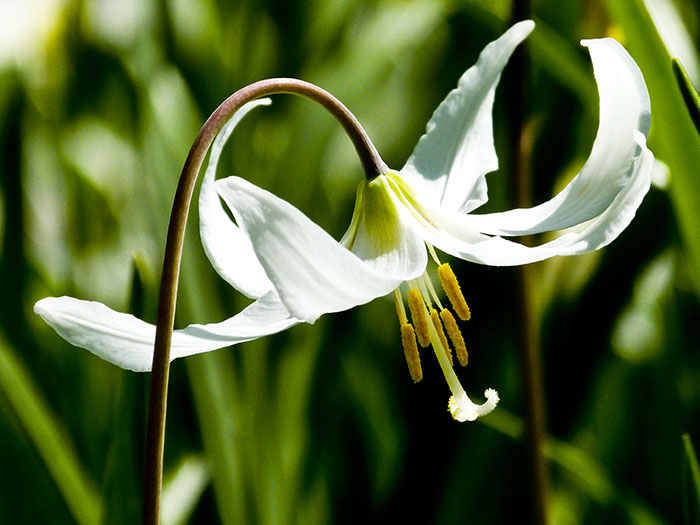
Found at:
(49, 438)
(585, 472)
(558, 55)
(549, 49)
(680, 43)
(294, 381)
(212, 381)
(691, 487)
(639, 331)
(674, 139)
(123, 458)
(118, 25)
(690, 96)
(102, 158)
(182, 490)
(382, 432)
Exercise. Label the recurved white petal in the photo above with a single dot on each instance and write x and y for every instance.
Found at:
(227, 248)
(126, 341)
(450, 161)
(614, 160)
(313, 273)
(452, 233)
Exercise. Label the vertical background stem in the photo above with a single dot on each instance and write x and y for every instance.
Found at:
(528, 325)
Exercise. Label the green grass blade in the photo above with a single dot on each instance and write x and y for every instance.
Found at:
(580, 469)
(80, 493)
(211, 379)
(673, 136)
(691, 487)
(690, 96)
(183, 488)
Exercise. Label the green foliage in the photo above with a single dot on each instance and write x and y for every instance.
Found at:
(99, 103)
(690, 96)
(691, 485)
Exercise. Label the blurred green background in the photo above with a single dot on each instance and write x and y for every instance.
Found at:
(99, 103)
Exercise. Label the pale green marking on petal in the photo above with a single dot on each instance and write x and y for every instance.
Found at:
(375, 213)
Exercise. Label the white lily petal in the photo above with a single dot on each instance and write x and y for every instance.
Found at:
(450, 161)
(126, 341)
(452, 233)
(624, 111)
(313, 273)
(227, 248)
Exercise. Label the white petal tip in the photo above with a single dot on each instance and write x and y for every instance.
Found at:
(520, 31)
(38, 306)
(463, 409)
(528, 25)
(119, 338)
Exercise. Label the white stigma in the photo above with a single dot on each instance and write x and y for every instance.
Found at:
(464, 409)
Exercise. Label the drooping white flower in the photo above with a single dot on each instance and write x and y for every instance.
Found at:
(401, 215)
(297, 272)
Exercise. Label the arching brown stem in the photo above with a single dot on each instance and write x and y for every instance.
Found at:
(157, 403)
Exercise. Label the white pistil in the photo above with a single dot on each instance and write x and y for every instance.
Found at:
(460, 406)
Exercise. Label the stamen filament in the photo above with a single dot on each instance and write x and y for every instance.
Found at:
(432, 253)
(420, 281)
(427, 283)
(400, 310)
(453, 291)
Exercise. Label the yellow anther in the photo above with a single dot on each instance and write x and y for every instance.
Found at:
(441, 333)
(419, 316)
(453, 291)
(410, 350)
(455, 336)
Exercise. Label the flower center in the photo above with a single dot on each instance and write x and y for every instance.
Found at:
(434, 325)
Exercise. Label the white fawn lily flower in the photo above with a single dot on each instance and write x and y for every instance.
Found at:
(298, 272)
(401, 215)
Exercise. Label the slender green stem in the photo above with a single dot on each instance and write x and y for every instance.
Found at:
(691, 482)
(528, 329)
(373, 166)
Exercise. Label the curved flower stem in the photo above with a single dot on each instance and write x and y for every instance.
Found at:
(373, 166)
(528, 328)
